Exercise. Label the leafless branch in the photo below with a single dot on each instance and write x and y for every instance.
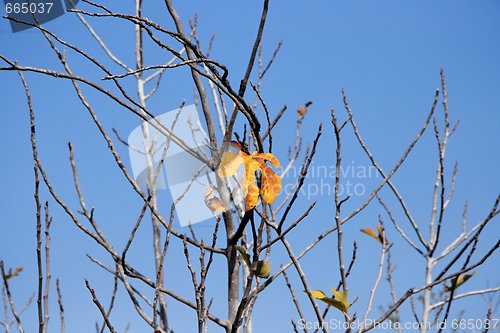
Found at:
(61, 307)
(294, 298)
(99, 306)
(11, 300)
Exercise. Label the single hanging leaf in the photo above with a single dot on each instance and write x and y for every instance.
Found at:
(370, 232)
(302, 110)
(249, 184)
(263, 269)
(338, 301)
(229, 164)
(244, 255)
(380, 237)
(460, 280)
(341, 296)
(270, 181)
(11, 274)
(318, 294)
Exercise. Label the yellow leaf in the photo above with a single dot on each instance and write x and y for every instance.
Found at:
(370, 232)
(263, 269)
(341, 296)
(270, 181)
(338, 301)
(11, 274)
(244, 255)
(249, 187)
(318, 294)
(229, 164)
(459, 281)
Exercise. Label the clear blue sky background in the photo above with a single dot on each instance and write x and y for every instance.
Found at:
(386, 54)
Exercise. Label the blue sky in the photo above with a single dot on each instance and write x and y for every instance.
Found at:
(386, 54)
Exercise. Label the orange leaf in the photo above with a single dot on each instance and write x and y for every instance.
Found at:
(302, 110)
(270, 182)
(380, 237)
(229, 164)
(370, 232)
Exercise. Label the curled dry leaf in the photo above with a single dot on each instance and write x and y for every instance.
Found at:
(302, 110)
(10, 274)
(380, 237)
(270, 182)
(370, 232)
(460, 280)
(212, 201)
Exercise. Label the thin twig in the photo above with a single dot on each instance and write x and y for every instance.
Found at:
(99, 306)
(61, 307)
(294, 298)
